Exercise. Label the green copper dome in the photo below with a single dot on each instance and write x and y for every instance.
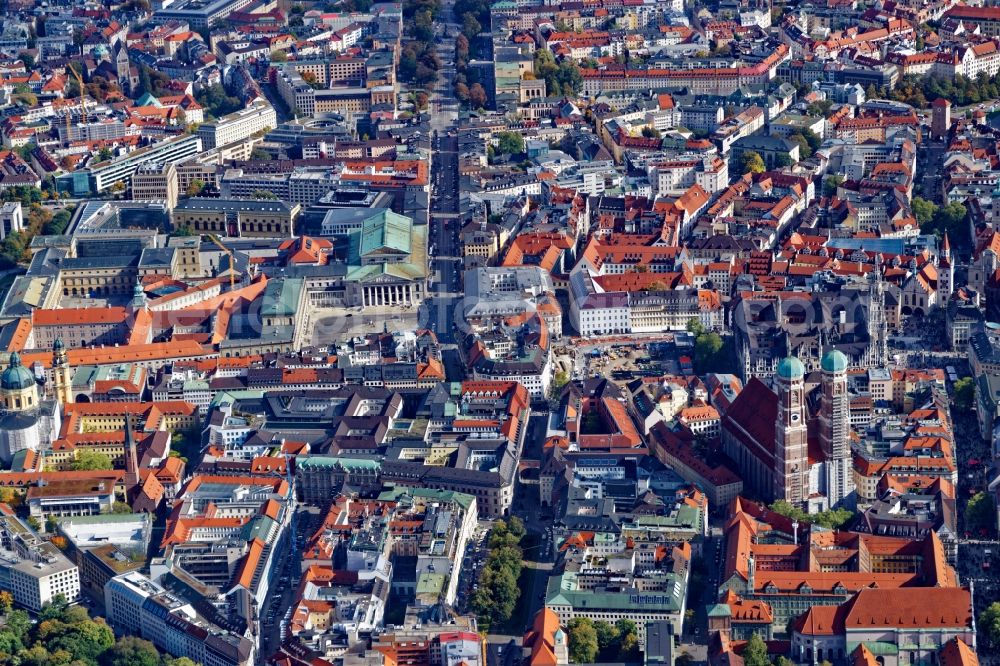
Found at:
(16, 377)
(791, 368)
(834, 361)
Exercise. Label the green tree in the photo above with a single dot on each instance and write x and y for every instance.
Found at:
(132, 651)
(923, 210)
(121, 507)
(54, 609)
(695, 327)
(755, 652)
(965, 393)
(832, 519)
(179, 661)
(989, 622)
(217, 102)
(607, 639)
(195, 187)
(510, 143)
(831, 183)
(582, 640)
(805, 151)
(470, 26)
(782, 160)
(981, 512)
(628, 642)
(263, 194)
(18, 623)
(91, 460)
(752, 162)
(560, 380)
(823, 108)
(709, 354)
(651, 132)
(279, 56)
(515, 526)
(948, 219)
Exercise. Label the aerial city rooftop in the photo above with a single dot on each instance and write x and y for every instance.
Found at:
(510, 333)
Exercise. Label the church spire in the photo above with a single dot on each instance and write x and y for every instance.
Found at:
(131, 458)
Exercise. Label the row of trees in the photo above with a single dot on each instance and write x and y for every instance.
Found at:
(601, 642)
(418, 61)
(468, 90)
(67, 636)
(920, 91)
(495, 599)
(832, 519)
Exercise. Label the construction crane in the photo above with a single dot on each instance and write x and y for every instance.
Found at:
(232, 260)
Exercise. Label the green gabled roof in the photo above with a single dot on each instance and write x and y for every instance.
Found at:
(386, 231)
(148, 100)
(281, 297)
(229, 397)
(258, 528)
(719, 610)
(393, 494)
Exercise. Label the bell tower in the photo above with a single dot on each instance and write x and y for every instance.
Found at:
(791, 446)
(62, 374)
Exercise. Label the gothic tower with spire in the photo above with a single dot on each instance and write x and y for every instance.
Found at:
(131, 457)
(946, 273)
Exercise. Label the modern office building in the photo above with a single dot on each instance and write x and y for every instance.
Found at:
(32, 569)
(156, 182)
(102, 176)
(239, 125)
(136, 606)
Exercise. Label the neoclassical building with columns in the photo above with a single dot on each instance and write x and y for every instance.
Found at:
(380, 262)
(387, 261)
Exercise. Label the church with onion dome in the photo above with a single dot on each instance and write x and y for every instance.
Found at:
(792, 440)
(28, 420)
